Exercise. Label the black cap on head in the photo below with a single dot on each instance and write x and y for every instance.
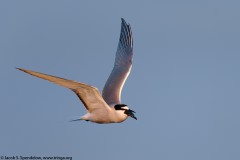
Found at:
(119, 106)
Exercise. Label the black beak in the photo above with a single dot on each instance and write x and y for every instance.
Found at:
(130, 113)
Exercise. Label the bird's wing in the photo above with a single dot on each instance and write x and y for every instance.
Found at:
(89, 95)
(122, 66)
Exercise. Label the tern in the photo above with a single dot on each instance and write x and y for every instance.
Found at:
(106, 107)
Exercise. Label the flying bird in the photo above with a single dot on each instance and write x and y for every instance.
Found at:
(105, 107)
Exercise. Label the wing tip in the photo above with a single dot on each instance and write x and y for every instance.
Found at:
(123, 20)
(20, 69)
(124, 23)
(25, 70)
(126, 39)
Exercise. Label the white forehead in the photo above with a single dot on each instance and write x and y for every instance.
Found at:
(125, 107)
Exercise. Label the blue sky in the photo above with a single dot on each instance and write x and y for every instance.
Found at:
(184, 83)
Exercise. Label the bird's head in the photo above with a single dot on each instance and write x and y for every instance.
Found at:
(125, 109)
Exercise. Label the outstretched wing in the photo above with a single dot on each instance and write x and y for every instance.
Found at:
(89, 95)
(122, 66)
